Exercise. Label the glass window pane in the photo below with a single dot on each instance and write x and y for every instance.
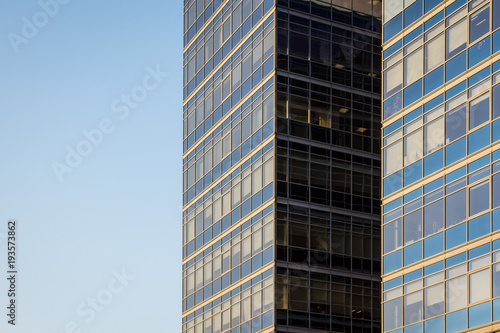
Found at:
(455, 208)
(456, 39)
(413, 226)
(456, 293)
(479, 110)
(496, 190)
(413, 147)
(456, 123)
(393, 236)
(413, 308)
(433, 218)
(496, 280)
(393, 314)
(434, 53)
(393, 79)
(413, 66)
(392, 8)
(479, 23)
(434, 301)
(479, 198)
(393, 157)
(434, 135)
(479, 286)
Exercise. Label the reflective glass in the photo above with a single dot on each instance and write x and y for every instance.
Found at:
(479, 23)
(479, 110)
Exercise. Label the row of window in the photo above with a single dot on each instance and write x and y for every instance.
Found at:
(237, 258)
(436, 64)
(361, 14)
(228, 90)
(411, 8)
(247, 308)
(242, 132)
(442, 212)
(201, 64)
(456, 125)
(393, 209)
(225, 206)
(429, 293)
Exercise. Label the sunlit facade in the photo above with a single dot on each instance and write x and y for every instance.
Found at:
(440, 163)
(281, 166)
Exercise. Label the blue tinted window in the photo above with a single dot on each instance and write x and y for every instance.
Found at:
(412, 253)
(393, 105)
(412, 115)
(479, 139)
(412, 35)
(479, 23)
(412, 93)
(436, 18)
(413, 12)
(456, 321)
(393, 236)
(456, 236)
(479, 51)
(455, 208)
(434, 79)
(433, 162)
(392, 261)
(480, 314)
(412, 228)
(455, 151)
(434, 245)
(479, 226)
(456, 66)
(393, 27)
(433, 217)
(435, 325)
(393, 183)
(479, 198)
(412, 173)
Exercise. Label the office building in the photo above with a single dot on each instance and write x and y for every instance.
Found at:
(281, 166)
(441, 186)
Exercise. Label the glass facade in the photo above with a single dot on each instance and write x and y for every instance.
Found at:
(281, 166)
(440, 163)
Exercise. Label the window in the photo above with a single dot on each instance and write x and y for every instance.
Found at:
(456, 39)
(479, 198)
(433, 218)
(455, 208)
(393, 79)
(413, 308)
(434, 301)
(434, 136)
(392, 157)
(413, 226)
(479, 23)
(479, 286)
(413, 147)
(456, 293)
(434, 53)
(393, 314)
(479, 110)
(392, 8)
(413, 66)
(393, 236)
(455, 123)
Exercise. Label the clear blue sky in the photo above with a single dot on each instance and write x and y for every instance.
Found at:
(68, 69)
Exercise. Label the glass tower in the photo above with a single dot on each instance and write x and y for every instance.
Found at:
(441, 157)
(281, 166)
